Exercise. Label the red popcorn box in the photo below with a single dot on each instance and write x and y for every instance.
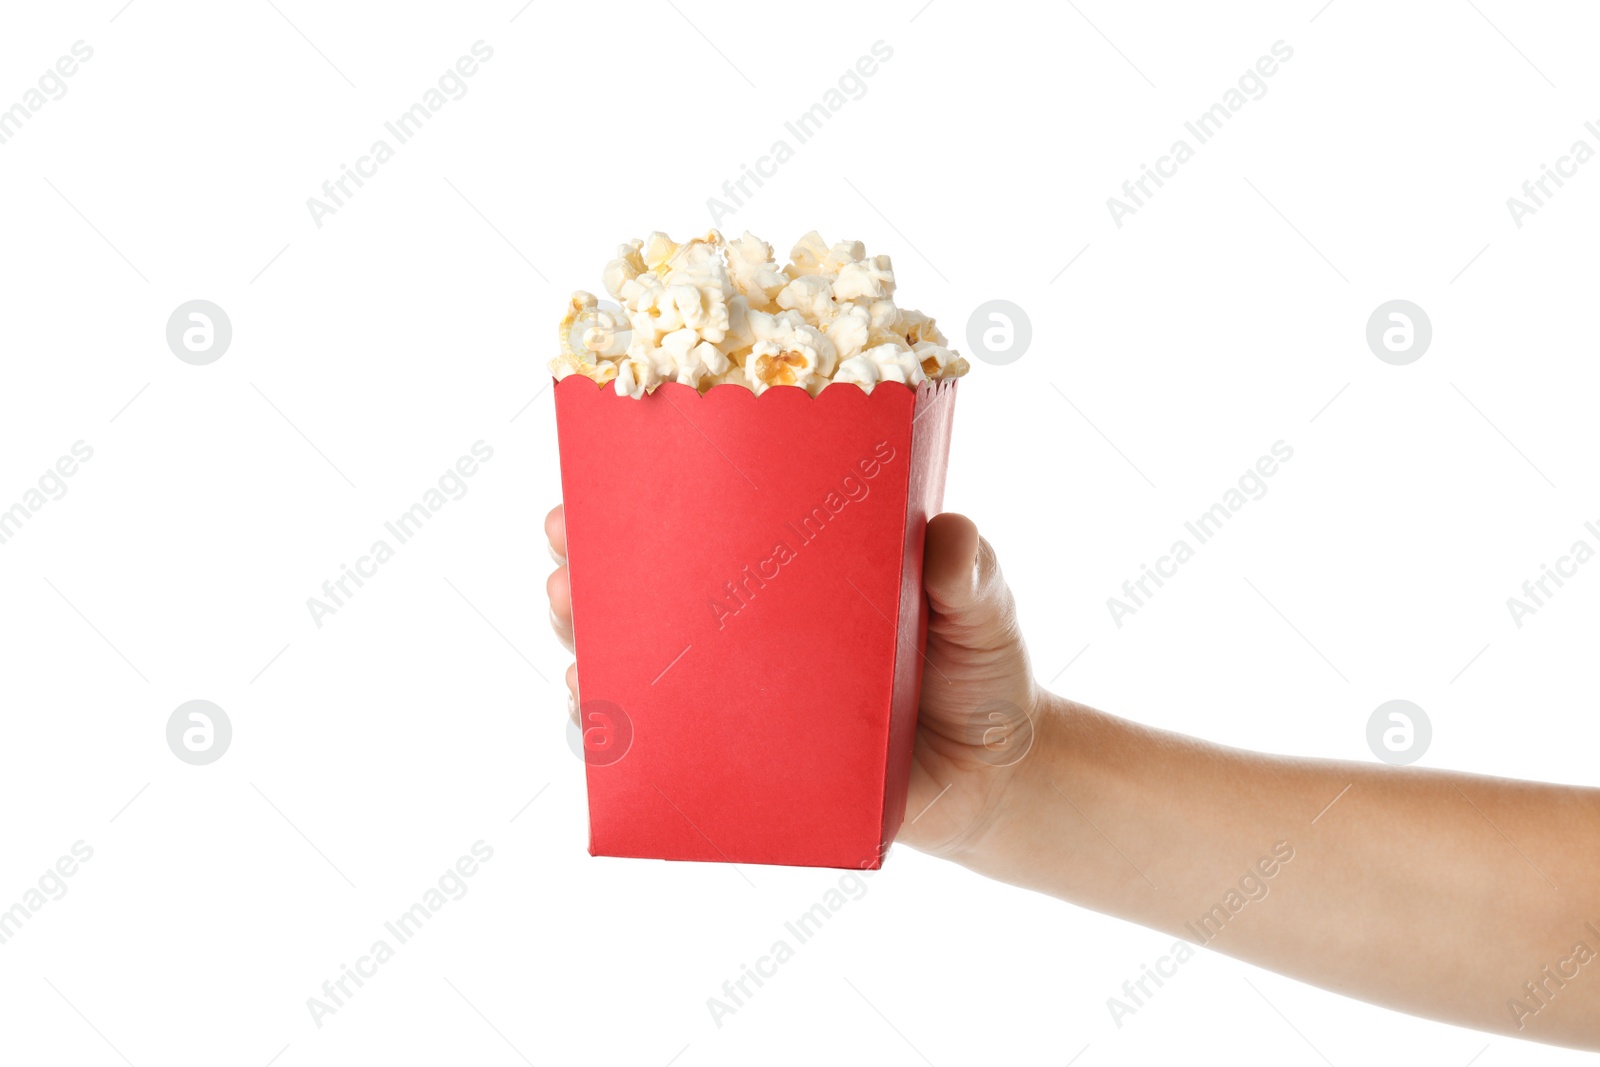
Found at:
(748, 611)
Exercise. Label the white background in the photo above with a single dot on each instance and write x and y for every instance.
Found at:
(370, 353)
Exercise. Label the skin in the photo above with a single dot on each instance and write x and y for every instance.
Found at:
(1430, 892)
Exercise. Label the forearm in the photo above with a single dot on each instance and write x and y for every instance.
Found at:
(1434, 893)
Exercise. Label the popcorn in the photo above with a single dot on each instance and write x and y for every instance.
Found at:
(895, 364)
(715, 312)
(772, 364)
(860, 370)
(812, 296)
(938, 361)
(589, 337)
(859, 281)
(627, 266)
(636, 377)
(806, 256)
(914, 326)
(849, 330)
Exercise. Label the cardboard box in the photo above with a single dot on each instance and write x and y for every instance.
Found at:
(749, 614)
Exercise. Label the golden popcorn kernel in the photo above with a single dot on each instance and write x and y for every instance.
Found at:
(780, 369)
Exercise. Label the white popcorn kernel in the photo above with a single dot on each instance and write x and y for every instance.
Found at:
(764, 327)
(848, 331)
(685, 302)
(667, 315)
(882, 315)
(774, 327)
(657, 359)
(878, 339)
(810, 337)
(732, 376)
(636, 377)
(738, 333)
(658, 249)
(812, 296)
(714, 315)
(747, 252)
(896, 364)
(807, 255)
(712, 358)
(646, 326)
(627, 266)
(858, 370)
(883, 270)
(841, 254)
(754, 273)
(640, 292)
(678, 342)
(701, 257)
(916, 327)
(702, 361)
(855, 282)
(937, 361)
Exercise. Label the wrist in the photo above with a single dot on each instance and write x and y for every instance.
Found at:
(1023, 799)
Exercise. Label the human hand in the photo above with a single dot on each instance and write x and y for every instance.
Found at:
(981, 711)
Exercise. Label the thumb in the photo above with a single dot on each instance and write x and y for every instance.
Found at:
(970, 604)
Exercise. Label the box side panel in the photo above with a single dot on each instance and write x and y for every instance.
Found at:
(930, 452)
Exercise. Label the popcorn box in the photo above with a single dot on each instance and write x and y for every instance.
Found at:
(749, 614)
